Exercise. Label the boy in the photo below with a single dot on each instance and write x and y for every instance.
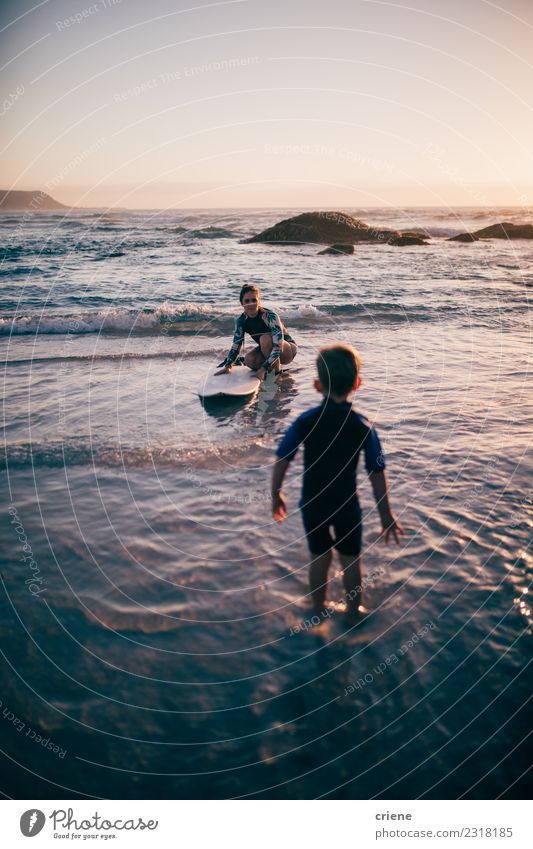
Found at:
(333, 435)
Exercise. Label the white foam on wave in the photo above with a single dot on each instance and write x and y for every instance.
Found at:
(190, 317)
(137, 321)
(111, 320)
(307, 312)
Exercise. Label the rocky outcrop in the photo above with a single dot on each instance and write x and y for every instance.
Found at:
(337, 250)
(28, 202)
(407, 239)
(464, 237)
(497, 231)
(330, 228)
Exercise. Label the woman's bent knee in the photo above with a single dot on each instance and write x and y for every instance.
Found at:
(289, 353)
(266, 344)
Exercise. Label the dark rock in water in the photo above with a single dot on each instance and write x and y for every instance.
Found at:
(504, 230)
(464, 237)
(406, 239)
(330, 228)
(336, 250)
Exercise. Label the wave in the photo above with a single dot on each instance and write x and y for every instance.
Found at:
(90, 242)
(212, 233)
(208, 232)
(503, 213)
(111, 255)
(366, 311)
(445, 232)
(20, 269)
(191, 318)
(172, 229)
(165, 318)
(14, 253)
(87, 451)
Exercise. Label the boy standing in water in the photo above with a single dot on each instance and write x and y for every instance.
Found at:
(333, 435)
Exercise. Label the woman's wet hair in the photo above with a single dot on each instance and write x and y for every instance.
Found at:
(249, 288)
(338, 369)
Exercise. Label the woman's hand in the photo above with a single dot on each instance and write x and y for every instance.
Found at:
(223, 370)
(261, 373)
(279, 507)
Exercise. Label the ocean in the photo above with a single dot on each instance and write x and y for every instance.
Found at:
(155, 637)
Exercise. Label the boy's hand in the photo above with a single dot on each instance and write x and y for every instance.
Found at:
(279, 507)
(391, 525)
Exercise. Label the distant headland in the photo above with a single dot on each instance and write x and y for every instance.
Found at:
(28, 202)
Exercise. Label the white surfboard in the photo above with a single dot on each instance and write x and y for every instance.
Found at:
(239, 382)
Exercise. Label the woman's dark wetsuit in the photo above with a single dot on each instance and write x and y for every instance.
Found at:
(266, 321)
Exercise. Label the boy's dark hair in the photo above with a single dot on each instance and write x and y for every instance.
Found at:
(249, 288)
(338, 368)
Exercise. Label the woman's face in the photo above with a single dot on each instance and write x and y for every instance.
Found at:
(250, 303)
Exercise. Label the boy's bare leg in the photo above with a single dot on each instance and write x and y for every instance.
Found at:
(318, 579)
(351, 576)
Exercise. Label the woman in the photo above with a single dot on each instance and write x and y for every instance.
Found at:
(275, 347)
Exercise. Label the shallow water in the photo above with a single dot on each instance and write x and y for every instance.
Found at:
(166, 649)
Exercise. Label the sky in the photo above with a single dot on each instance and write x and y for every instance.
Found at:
(285, 103)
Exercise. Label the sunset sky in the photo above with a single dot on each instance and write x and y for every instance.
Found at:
(252, 103)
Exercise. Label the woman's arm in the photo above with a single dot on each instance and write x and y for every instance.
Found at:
(273, 322)
(236, 345)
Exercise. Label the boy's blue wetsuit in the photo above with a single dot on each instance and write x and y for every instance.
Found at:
(333, 435)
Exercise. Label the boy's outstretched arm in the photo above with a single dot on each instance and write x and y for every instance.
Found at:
(389, 522)
(279, 504)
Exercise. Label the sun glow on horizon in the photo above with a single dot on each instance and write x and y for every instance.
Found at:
(253, 107)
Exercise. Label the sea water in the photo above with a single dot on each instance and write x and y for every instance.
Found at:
(155, 623)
